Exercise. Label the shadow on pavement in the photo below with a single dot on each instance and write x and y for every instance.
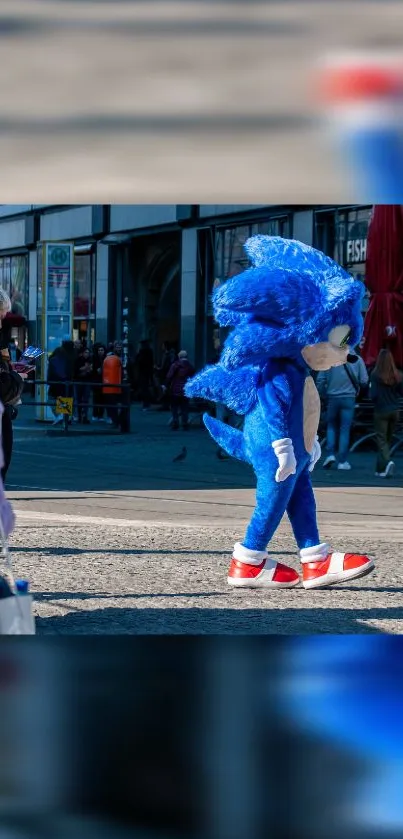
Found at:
(114, 621)
(52, 551)
(43, 597)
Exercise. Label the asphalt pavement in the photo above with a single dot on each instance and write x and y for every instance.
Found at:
(119, 537)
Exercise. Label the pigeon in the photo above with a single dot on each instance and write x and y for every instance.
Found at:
(180, 456)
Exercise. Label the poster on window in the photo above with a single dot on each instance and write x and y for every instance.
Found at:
(58, 270)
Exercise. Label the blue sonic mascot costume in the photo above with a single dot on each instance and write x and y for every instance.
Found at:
(294, 310)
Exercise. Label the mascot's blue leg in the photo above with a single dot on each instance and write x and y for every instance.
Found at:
(301, 510)
(228, 438)
(272, 500)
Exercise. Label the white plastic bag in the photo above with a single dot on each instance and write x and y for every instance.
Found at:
(16, 612)
(16, 615)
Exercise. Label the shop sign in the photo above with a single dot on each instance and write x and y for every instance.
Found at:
(58, 277)
(356, 251)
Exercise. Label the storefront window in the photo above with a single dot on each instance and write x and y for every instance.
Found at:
(82, 285)
(14, 280)
(230, 255)
(230, 259)
(351, 243)
(342, 234)
(84, 296)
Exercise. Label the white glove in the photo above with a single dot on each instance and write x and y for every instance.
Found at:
(287, 465)
(316, 455)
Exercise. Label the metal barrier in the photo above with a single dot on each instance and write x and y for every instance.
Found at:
(72, 388)
(365, 422)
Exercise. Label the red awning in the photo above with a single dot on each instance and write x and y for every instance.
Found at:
(384, 280)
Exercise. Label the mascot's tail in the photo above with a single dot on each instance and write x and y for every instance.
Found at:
(229, 439)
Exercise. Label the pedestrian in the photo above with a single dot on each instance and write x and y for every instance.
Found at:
(339, 387)
(386, 391)
(98, 409)
(167, 359)
(60, 371)
(118, 348)
(112, 386)
(14, 351)
(179, 373)
(11, 387)
(145, 370)
(83, 376)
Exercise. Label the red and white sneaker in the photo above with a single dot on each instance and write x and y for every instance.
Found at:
(260, 571)
(322, 568)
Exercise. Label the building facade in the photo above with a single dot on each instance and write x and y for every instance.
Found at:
(161, 263)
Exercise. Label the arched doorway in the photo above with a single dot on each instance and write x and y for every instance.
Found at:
(155, 268)
(163, 301)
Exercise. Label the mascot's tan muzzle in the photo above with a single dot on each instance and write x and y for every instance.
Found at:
(325, 355)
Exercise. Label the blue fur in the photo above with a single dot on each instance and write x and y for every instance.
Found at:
(292, 296)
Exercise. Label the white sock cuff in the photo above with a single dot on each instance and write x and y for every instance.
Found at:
(243, 554)
(315, 553)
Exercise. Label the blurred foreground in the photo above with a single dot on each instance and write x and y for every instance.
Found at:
(221, 739)
(193, 101)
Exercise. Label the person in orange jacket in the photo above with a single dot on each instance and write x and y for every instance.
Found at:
(112, 371)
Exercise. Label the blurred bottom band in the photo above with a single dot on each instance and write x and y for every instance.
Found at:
(202, 737)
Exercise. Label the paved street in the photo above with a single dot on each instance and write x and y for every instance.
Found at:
(118, 538)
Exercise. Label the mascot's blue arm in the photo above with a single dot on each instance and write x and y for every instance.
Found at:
(275, 399)
(274, 395)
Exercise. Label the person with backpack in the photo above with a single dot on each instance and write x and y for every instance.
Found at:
(179, 373)
(386, 391)
(339, 387)
(83, 376)
(60, 370)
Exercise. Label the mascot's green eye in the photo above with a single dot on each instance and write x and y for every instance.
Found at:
(340, 336)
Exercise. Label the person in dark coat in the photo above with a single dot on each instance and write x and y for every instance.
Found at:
(11, 387)
(168, 357)
(83, 375)
(386, 391)
(181, 370)
(60, 370)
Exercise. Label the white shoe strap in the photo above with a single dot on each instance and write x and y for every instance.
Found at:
(336, 564)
